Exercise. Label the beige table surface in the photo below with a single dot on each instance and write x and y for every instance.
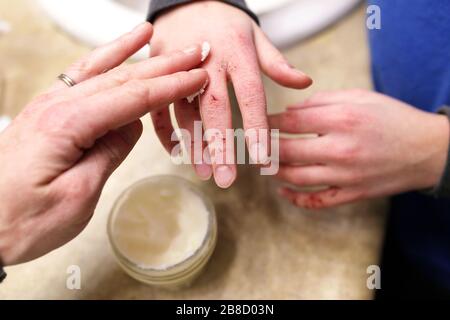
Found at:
(267, 249)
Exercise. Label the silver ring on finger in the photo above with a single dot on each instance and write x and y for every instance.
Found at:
(67, 80)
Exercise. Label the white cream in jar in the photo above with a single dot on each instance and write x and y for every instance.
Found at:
(163, 231)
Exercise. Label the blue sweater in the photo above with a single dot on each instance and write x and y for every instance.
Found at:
(411, 62)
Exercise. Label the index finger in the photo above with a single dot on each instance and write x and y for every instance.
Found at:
(108, 56)
(94, 116)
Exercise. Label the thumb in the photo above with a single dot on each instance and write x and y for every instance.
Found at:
(275, 65)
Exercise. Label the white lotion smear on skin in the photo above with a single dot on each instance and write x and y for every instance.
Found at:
(160, 225)
(4, 122)
(206, 49)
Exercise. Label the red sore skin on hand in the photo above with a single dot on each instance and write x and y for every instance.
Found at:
(311, 201)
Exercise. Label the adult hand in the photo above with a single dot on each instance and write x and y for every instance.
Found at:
(369, 145)
(58, 153)
(239, 50)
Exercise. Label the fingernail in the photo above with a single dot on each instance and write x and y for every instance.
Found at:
(258, 152)
(190, 50)
(206, 49)
(204, 171)
(224, 176)
(292, 68)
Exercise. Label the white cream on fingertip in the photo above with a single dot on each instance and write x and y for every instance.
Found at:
(194, 96)
(206, 49)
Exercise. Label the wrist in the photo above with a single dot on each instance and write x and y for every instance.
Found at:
(438, 147)
(158, 9)
(191, 9)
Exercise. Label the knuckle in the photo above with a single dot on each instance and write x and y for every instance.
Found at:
(292, 176)
(291, 120)
(120, 76)
(254, 98)
(289, 176)
(301, 179)
(254, 107)
(347, 153)
(348, 119)
(85, 66)
(222, 66)
(355, 177)
(230, 67)
(214, 105)
(284, 152)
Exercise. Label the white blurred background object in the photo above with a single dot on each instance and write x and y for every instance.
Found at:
(4, 27)
(4, 120)
(286, 22)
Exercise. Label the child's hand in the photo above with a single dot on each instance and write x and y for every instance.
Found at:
(369, 146)
(239, 51)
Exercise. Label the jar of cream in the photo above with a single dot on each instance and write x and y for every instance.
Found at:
(163, 230)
